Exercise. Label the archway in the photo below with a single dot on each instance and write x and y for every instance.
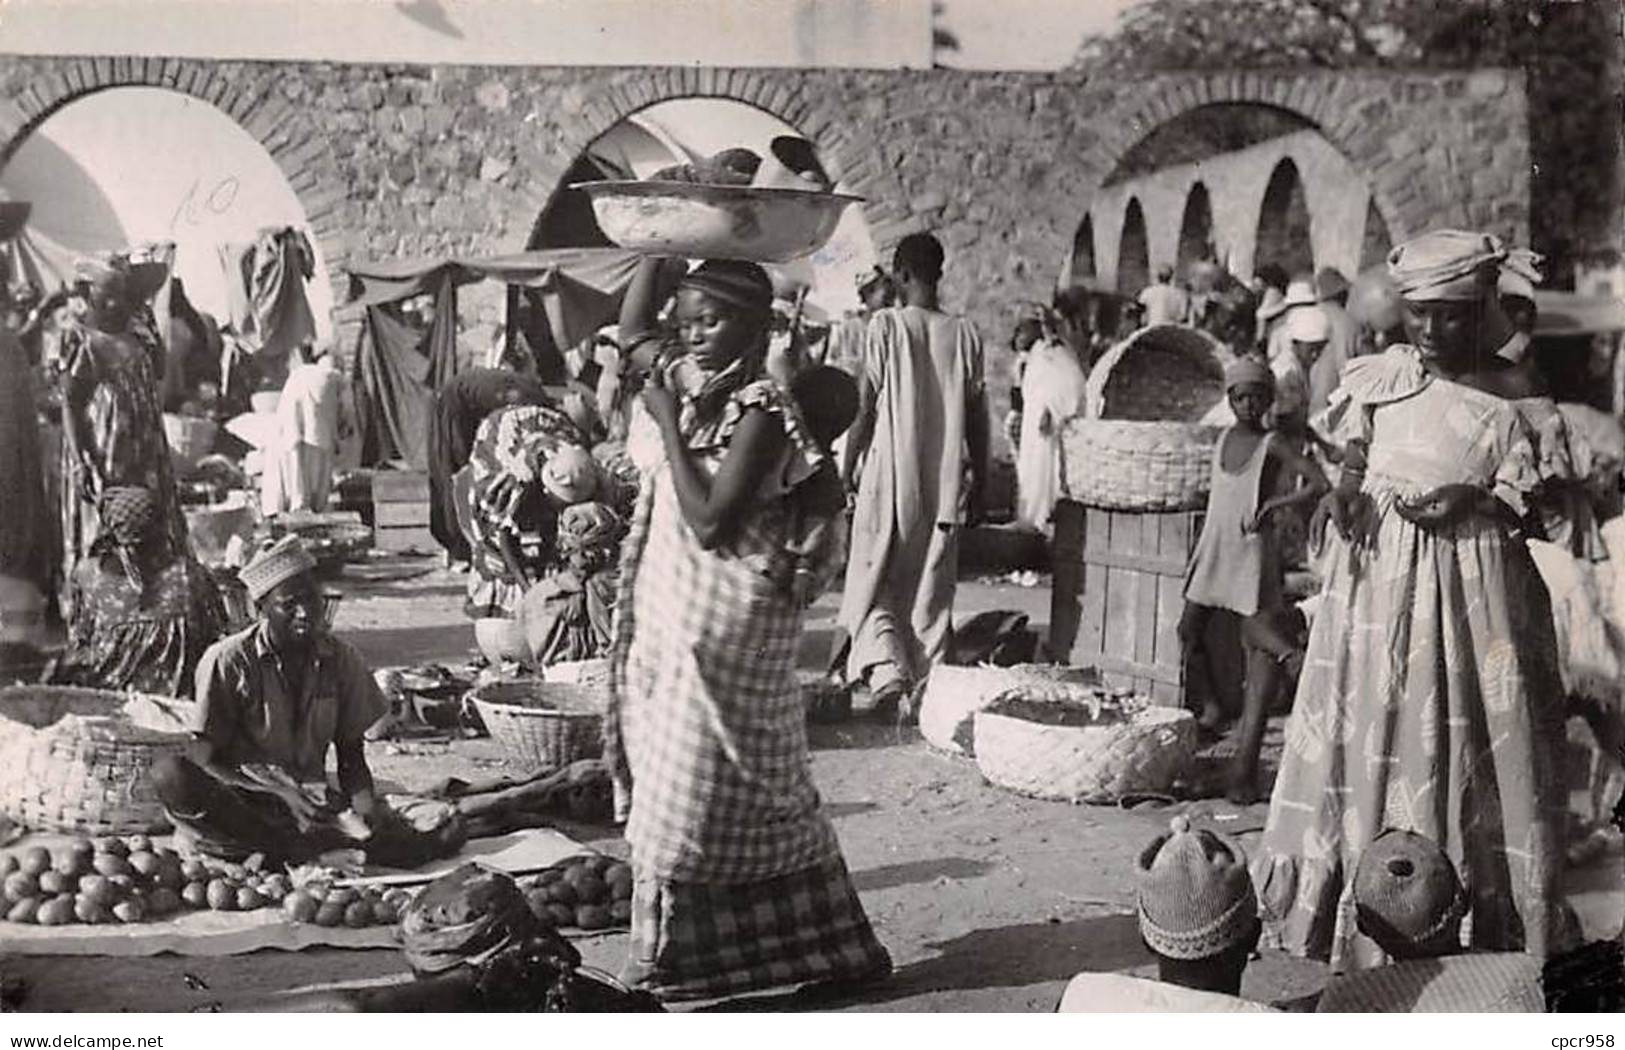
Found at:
(1083, 251)
(1375, 243)
(1283, 222)
(1133, 252)
(129, 164)
(1195, 228)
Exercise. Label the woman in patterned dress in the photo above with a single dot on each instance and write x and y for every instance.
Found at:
(739, 882)
(1430, 698)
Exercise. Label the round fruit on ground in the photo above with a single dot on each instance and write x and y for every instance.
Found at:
(169, 875)
(300, 907)
(8, 864)
(195, 870)
(144, 863)
(548, 875)
(20, 885)
(601, 864)
(195, 894)
(113, 846)
(330, 915)
(621, 911)
(234, 872)
(358, 915)
(222, 895)
(538, 900)
(36, 861)
(592, 917)
(248, 899)
(26, 911)
(343, 896)
(385, 914)
(74, 863)
(53, 883)
(561, 914)
(123, 885)
(564, 892)
(89, 911)
(138, 844)
(129, 911)
(57, 911)
(111, 864)
(163, 901)
(590, 889)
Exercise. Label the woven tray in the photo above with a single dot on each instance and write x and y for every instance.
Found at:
(1168, 373)
(80, 760)
(1134, 465)
(953, 695)
(542, 726)
(1141, 750)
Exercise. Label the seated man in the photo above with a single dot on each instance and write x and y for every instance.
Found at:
(1409, 900)
(271, 700)
(1199, 916)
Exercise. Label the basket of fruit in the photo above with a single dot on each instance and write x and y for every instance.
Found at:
(542, 726)
(1090, 746)
(80, 760)
(953, 695)
(592, 894)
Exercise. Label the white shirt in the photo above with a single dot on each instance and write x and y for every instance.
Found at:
(308, 411)
(1164, 304)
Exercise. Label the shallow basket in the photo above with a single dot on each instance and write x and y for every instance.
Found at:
(542, 726)
(1167, 373)
(1144, 752)
(80, 760)
(1135, 465)
(953, 695)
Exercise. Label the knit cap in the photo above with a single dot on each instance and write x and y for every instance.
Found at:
(1196, 899)
(276, 564)
(1407, 896)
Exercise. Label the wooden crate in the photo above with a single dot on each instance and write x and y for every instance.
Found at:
(1118, 596)
(400, 511)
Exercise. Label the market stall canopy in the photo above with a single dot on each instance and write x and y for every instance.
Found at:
(1564, 313)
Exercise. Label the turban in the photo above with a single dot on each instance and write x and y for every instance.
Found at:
(1308, 324)
(1443, 264)
(742, 285)
(587, 526)
(1406, 893)
(466, 916)
(570, 474)
(1196, 899)
(275, 565)
(1330, 282)
(1245, 370)
(127, 513)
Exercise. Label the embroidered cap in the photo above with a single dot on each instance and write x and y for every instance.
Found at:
(276, 564)
(1196, 899)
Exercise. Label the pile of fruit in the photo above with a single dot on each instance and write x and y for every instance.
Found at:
(125, 880)
(589, 893)
(324, 904)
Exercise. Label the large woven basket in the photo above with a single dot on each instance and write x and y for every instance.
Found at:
(1140, 444)
(80, 760)
(542, 726)
(953, 695)
(1134, 749)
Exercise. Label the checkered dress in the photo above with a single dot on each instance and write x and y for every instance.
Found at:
(739, 879)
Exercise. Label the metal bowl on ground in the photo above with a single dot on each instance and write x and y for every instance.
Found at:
(695, 220)
(501, 639)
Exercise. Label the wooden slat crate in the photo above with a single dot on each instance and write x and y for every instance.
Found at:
(1119, 593)
(400, 511)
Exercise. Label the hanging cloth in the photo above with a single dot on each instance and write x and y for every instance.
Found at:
(283, 262)
(397, 370)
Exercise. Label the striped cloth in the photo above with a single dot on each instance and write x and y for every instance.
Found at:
(1480, 983)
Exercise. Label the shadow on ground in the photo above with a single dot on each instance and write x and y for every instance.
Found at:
(916, 871)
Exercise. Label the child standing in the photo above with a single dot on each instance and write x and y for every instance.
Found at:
(1237, 563)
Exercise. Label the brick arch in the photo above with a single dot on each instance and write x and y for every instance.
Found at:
(1358, 126)
(820, 119)
(299, 151)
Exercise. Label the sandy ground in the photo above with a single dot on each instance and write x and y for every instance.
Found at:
(987, 901)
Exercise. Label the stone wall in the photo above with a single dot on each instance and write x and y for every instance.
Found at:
(400, 161)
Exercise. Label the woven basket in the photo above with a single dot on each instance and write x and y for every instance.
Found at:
(190, 439)
(542, 726)
(594, 672)
(80, 760)
(1133, 465)
(1132, 750)
(953, 695)
(1140, 444)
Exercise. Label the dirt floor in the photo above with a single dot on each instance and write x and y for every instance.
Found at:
(987, 901)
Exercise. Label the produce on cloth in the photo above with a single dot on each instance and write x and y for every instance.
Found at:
(588, 893)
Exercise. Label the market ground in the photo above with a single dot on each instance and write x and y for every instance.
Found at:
(987, 901)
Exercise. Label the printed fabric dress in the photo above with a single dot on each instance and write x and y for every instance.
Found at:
(739, 882)
(1430, 698)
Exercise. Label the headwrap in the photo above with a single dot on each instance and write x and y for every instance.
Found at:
(742, 285)
(276, 564)
(465, 917)
(1443, 264)
(127, 514)
(1300, 293)
(99, 267)
(569, 474)
(1245, 370)
(1406, 893)
(1308, 324)
(589, 535)
(1520, 272)
(1330, 282)
(1196, 899)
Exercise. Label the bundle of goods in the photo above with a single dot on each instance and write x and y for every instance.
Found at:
(588, 893)
(542, 725)
(953, 696)
(80, 760)
(128, 880)
(1140, 444)
(734, 205)
(1082, 744)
